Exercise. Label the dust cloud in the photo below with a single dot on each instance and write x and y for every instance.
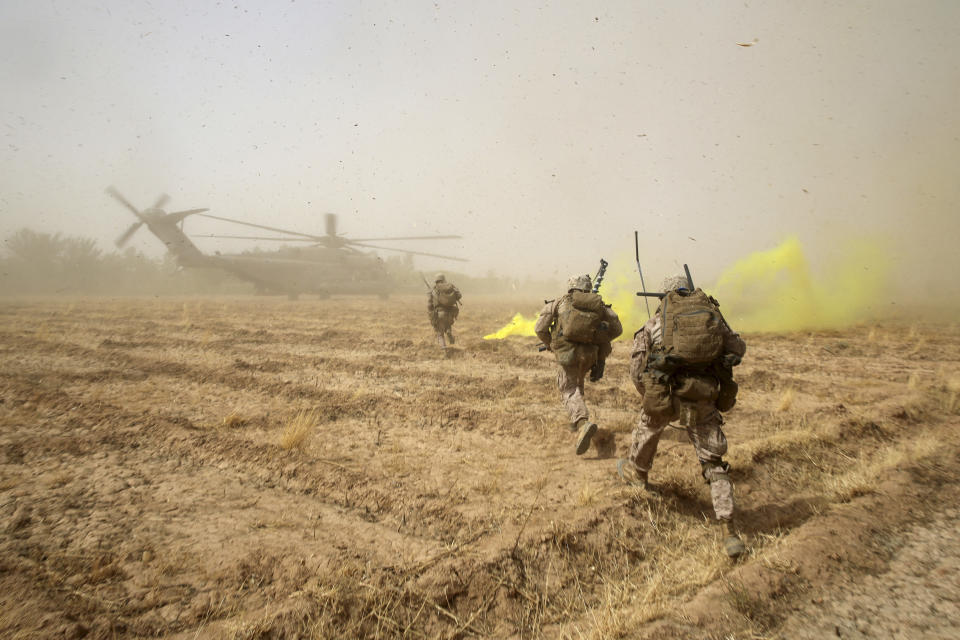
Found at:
(543, 136)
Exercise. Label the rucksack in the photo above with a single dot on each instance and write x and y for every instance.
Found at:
(447, 294)
(692, 328)
(579, 315)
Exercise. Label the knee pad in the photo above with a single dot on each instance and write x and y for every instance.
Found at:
(715, 471)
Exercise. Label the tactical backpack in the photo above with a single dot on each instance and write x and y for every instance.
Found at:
(689, 367)
(579, 317)
(692, 328)
(446, 294)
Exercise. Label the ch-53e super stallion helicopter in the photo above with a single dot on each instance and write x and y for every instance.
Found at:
(332, 264)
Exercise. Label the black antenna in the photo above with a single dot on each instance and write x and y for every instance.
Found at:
(689, 279)
(636, 247)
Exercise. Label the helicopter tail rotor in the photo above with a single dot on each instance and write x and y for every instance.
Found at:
(116, 195)
(151, 217)
(162, 200)
(124, 238)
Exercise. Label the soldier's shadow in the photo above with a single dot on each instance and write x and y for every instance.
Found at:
(777, 517)
(769, 517)
(604, 444)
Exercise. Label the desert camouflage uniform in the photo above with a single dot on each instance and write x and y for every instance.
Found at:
(442, 317)
(570, 378)
(705, 433)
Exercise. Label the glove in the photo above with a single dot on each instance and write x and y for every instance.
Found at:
(731, 360)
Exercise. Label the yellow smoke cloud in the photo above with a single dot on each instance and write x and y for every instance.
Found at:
(518, 326)
(776, 290)
(769, 290)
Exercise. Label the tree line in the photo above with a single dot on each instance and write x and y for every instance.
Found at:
(39, 263)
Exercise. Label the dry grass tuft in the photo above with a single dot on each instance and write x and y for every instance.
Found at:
(298, 429)
(866, 474)
(947, 393)
(233, 420)
(950, 401)
(786, 400)
(913, 382)
(588, 495)
(920, 345)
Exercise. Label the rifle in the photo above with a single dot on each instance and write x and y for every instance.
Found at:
(424, 278)
(599, 279)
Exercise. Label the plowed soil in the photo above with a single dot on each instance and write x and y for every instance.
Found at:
(258, 468)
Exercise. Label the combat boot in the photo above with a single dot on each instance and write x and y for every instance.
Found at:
(631, 473)
(450, 339)
(732, 543)
(587, 430)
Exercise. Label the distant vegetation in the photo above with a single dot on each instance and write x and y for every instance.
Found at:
(36, 263)
(52, 264)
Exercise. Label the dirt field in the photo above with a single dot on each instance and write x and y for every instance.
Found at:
(258, 468)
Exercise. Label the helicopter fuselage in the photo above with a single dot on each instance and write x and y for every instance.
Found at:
(287, 271)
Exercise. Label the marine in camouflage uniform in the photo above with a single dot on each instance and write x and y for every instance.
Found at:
(702, 421)
(570, 377)
(442, 316)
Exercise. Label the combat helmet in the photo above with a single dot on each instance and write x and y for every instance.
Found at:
(579, 283)
(675, 282)
(439, 278)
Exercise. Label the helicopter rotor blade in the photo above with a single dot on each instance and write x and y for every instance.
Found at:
(264, 227)
(215, 235)
(415, 253)
(161, 200)
(330, 222)
(126, 235)
(119, 198)
(405, 238)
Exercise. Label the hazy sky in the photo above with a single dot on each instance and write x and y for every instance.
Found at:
(544, 132)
